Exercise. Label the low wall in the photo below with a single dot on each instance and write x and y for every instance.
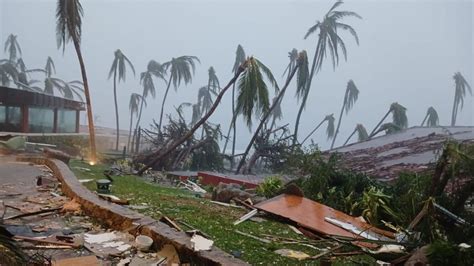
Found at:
(121, 218)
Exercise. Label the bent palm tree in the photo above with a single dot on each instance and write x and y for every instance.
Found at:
(399, 119)
(135, 100)
(8, 72)
(181, 69)
(329, 130)
(329, 41)
(350, 97)
(12, 47)
(239, 60)
(119, 65)
(49, 68)
(160, 154)
(431, 118)
(461, 86)
(154, 69)
(253, 98)
(361, 134)
(68, 27)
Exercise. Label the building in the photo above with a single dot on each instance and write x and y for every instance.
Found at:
(32, 112)
(414, 149)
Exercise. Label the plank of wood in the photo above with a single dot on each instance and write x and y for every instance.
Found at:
(46, 241)
(32, 213)
(246, 216)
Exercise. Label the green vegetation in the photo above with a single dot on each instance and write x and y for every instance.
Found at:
(214, 220)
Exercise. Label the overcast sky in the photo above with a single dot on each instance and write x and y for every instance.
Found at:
(408, 53)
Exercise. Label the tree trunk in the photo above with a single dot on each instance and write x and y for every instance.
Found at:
(138, 122)
(424, 120)
(116, 110)
(253, 159)
(378, 125)
(454, 113)
(159, 155)
(232, 126)
(228, 132)
(340, 118)
(93, 152)
(350, 136)
(264, 119)
(130, 132)
(163, 104)
(314, 130)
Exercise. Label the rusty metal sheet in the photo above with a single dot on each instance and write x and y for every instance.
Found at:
(311, 214)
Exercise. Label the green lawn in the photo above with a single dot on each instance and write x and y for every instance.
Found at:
(214, 220)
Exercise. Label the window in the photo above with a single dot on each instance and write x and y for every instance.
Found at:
(66, 121)
(10, 118)
(41, 120)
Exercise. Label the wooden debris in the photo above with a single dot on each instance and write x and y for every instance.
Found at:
(170, 222)
(266, 241)
(294, 229)
(244, 203)
(246, 216)
(72, 206)
(46, 241)
(32, 213)
(326, 252)
(114, 199)
(292, 254)
(226, 204)
(78, 261)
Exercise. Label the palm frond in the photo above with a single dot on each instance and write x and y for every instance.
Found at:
(213, 81)
(352, 93)
(293, 56)
(239, 58)
(134, 103)
(181, 69)
(13, 47)
(399, 116)
(268, 74)
(461, 87)
(302, 77)
(330, 129)
(432, 117)
(50, 68)
(361, 132)
(68, 21)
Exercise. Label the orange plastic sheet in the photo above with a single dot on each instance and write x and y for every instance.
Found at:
(311, 214)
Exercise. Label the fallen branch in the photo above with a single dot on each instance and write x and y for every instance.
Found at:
(266, 241)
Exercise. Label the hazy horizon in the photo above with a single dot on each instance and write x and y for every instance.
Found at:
(408, 53)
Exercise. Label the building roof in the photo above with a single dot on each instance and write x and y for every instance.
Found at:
(414, 149)
(17, 97)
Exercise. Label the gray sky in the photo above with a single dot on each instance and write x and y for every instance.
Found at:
(409, 51)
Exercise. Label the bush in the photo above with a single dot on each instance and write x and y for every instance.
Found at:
(270, 187)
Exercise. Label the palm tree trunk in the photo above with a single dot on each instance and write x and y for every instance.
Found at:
(159, 155)
(163, 104)
(339, 121)
(314, 130)
(264, 119)
(228, 132)
(350, 136)
(303, 103)
(116, 110)
(93, 152)
(424, 120)
(138, 122)
(454, 113)
(378, 125)
(130, 132)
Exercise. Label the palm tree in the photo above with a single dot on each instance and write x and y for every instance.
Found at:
(160, 154)
(460, 92)
(23, 75)
(329, 130)
(68, 27)
(361, 133)
(8, 72)
(350, 97)
(49, 68)
(181, 69)
(12, 47)
(329, 41)
(154, 69)
(135, 100)
(399, 120)
(119, 65)
(431, 118)
(253, 96)
(239, 59)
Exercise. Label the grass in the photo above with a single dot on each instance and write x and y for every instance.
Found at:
(214, 220)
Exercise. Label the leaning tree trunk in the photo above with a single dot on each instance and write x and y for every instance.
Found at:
(380, 123)
(424, 120)
(305, 97)
(264, 119)
(314, 130)
(339, 121)
(231, 127)
(159, 155)
(116, 110)
(93, 152)
(163, 104)
(138, 122)
(350, 136)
